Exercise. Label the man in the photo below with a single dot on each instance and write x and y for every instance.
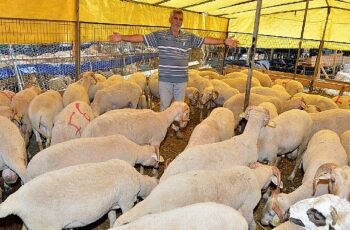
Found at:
(174, 46)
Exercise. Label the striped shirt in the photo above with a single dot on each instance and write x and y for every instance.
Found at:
(173, 53)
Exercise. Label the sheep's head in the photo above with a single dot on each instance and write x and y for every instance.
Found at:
(209, 94)
(274, 174)
(182, 113)
(193, 95)
(275, 209)
(257, 111)
(88, 75)
(338, 179)
(323, 212)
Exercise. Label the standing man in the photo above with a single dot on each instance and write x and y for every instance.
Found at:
(174, 46)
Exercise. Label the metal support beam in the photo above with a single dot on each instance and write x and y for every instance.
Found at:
(301, 38)
(252, 53)
(320, 49)
(76, 44)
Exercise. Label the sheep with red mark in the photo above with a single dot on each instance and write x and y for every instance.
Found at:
(71, 122)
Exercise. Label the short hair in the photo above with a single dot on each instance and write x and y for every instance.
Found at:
(176, 11)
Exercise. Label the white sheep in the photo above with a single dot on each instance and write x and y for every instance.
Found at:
(236, 103)
(6, 97)
(322, 103)
(219, 92)
(279, 87)
(90, 150)
(6, 111)
(78, 195)
(292, 86)
(238, 187)
(19, 105)
(345, 141)
(263, 78)
(79, 91)
(336, 120)
(13, 154)
(42, 111)
(153, 84)
(140, 79)
(284, 96)
(343, 102)
(139, 126)
(200, 216)
(277, 141)
(116, 96)
(200, 83)
(323, 212)
(100, 83)
(269, 107)
(240, 83)
(218, 126)
(338, 179)
(238, 150)
(71, 122)
(324, 147)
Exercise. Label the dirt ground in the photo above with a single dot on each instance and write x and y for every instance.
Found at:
(170, 148)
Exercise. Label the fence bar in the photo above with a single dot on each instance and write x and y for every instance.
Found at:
(252, 53)
(77, 43)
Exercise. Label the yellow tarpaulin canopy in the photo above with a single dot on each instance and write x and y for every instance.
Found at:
(280, 23)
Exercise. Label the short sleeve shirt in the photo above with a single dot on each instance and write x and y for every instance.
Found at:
(173, 53)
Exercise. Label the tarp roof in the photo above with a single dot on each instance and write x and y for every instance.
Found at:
(280, 24)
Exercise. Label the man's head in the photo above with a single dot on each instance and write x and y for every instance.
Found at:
(175, 19)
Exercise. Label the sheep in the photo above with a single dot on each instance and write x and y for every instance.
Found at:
(238, 150)
(236, 75)
(153, 84)
(100, 83)
(19, 105)
(263, 78)
(279, 88)
(322, 103)
(71, 122)
(324, 212)
(345, 141)
(139, 126)
(338, 179)
(77, 195)
(140, 79)
(79, 91)
(116, 96)
(13, 152)
(200, 216)
(240, 83)
(235, 103)
(334, 119)
(266, 91)
(200, 83)
(218, 126)
(42, 111)
(192, 95)
(292, 86)
(210, 74)
(343, 102)
(219, 92)
(238, 187)
(269, 107)
(6, 111)
(324, 147)
(90, 150)
(6, 97)
(277, 141)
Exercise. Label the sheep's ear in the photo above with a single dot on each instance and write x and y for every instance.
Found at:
(243, 115)
(274, 180)
(154, 156)
(334, 214)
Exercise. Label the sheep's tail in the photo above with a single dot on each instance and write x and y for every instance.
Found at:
(131, 215)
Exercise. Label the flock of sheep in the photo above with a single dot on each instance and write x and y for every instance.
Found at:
(85, 168)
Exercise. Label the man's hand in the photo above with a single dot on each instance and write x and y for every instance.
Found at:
(115, 37)
(231, 42)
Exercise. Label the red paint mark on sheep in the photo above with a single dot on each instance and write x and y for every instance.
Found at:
(77, 106)
(74, 125)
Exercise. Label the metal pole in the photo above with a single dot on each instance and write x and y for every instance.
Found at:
(76, 45)
(225, 50)
(319, 55)
(252, 53)
(20, 82)
(301, 38)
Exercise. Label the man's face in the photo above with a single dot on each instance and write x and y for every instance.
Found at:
(176, 21)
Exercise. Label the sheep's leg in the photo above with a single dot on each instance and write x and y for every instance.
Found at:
(297, 165)
(142, 170)
(38, 139)
(276, 160)
(155, 169)
(112, 216)
(24, 227)
(247, 213)
(48, 142)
